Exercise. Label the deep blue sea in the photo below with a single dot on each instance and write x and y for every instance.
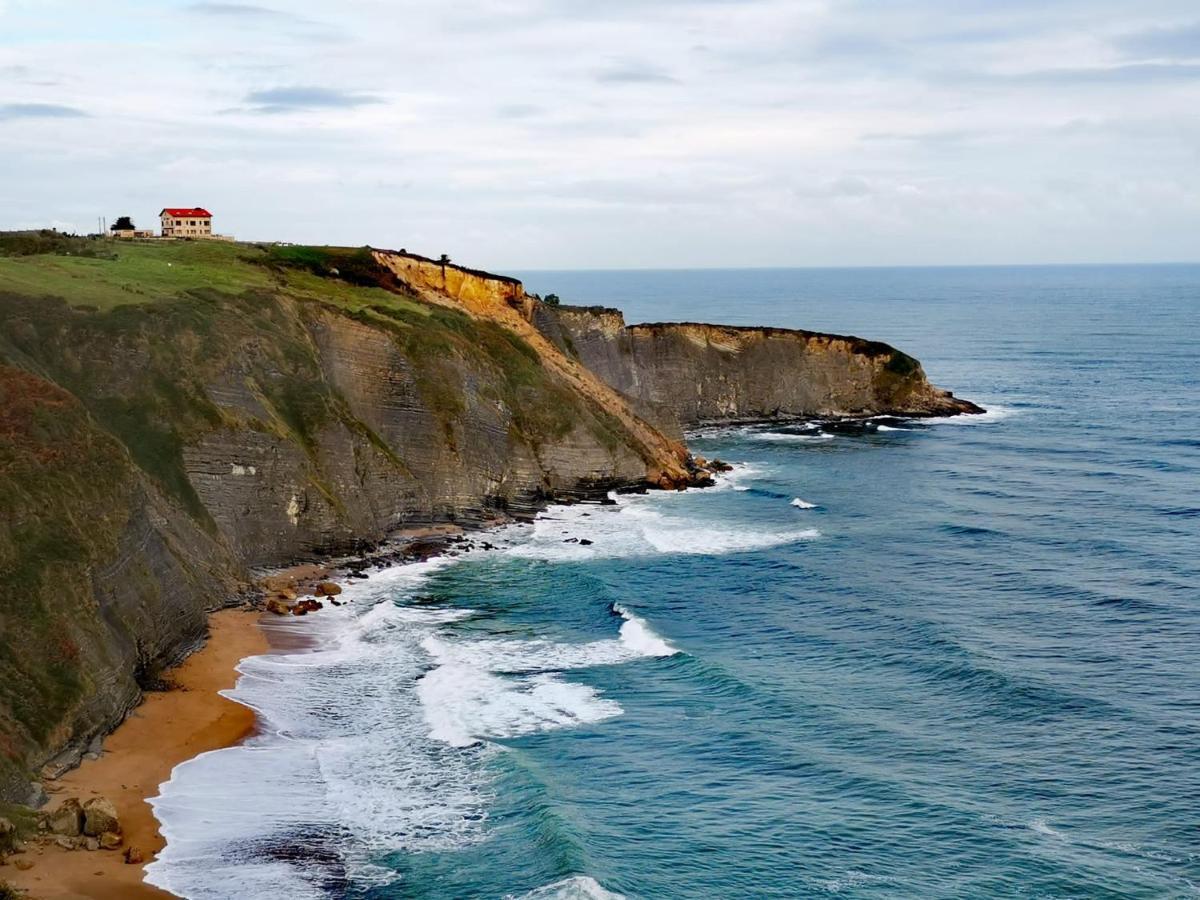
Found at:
(944, 659)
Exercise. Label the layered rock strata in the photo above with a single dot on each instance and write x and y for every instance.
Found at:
(689, 374)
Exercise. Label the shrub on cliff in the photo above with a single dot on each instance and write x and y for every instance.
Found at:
(902, 364)
(36, 243)
(353, 265)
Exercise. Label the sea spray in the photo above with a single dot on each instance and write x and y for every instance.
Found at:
(579, 887)
(638, 636)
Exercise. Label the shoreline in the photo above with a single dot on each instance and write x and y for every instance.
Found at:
(191, 718)
(166, 729)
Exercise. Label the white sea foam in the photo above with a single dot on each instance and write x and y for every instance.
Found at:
(464, 705)
(375, 739)
(802, 504)
(343, 750)
(995, 413)
(689, 536)
(578, 887)
(853, 879)
(789, 437)
(501, 687)
(736, 478)
(1041, 827)
(642, 526)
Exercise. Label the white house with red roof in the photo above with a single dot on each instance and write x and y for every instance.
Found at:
(186, 222)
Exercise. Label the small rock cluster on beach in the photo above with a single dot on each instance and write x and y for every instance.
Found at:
(305, 588)
(283, 595)
(92, 825)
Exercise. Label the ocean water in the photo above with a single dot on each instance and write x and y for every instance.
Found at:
(953, 658)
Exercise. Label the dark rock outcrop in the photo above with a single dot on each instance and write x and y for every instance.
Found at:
(8, 836)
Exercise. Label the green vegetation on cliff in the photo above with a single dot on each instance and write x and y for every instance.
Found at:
(64, 490)
(107, 274)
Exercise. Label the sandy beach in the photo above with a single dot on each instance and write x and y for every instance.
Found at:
(167, 729)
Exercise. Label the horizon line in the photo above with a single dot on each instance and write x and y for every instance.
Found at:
(867, 266)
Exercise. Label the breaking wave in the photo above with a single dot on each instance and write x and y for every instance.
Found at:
(994, 413)
(579, 887)
(642, 526)
(503, 688)
(788, 437)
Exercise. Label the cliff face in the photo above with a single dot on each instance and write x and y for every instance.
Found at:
(105, 580)
(688, 374)
(441, 282)
(174, 414)
(503, 301)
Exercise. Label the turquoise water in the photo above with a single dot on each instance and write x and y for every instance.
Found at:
(948, 659)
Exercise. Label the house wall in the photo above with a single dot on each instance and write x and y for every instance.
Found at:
(186, 227)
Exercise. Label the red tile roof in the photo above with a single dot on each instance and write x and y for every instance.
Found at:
(194, 212)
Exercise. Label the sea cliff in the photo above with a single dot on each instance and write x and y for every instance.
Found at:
(688, 374)
(173, 415)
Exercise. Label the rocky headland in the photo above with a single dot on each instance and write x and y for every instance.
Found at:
(174, 416)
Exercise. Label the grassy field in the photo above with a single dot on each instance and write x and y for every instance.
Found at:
(108, 274)
(139, 272)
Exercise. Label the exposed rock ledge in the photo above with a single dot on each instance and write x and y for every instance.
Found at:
(679, 375)
(687, 374)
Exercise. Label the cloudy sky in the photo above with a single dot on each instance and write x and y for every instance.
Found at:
(619, 133)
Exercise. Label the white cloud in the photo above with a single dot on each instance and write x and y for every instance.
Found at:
(529, 133)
